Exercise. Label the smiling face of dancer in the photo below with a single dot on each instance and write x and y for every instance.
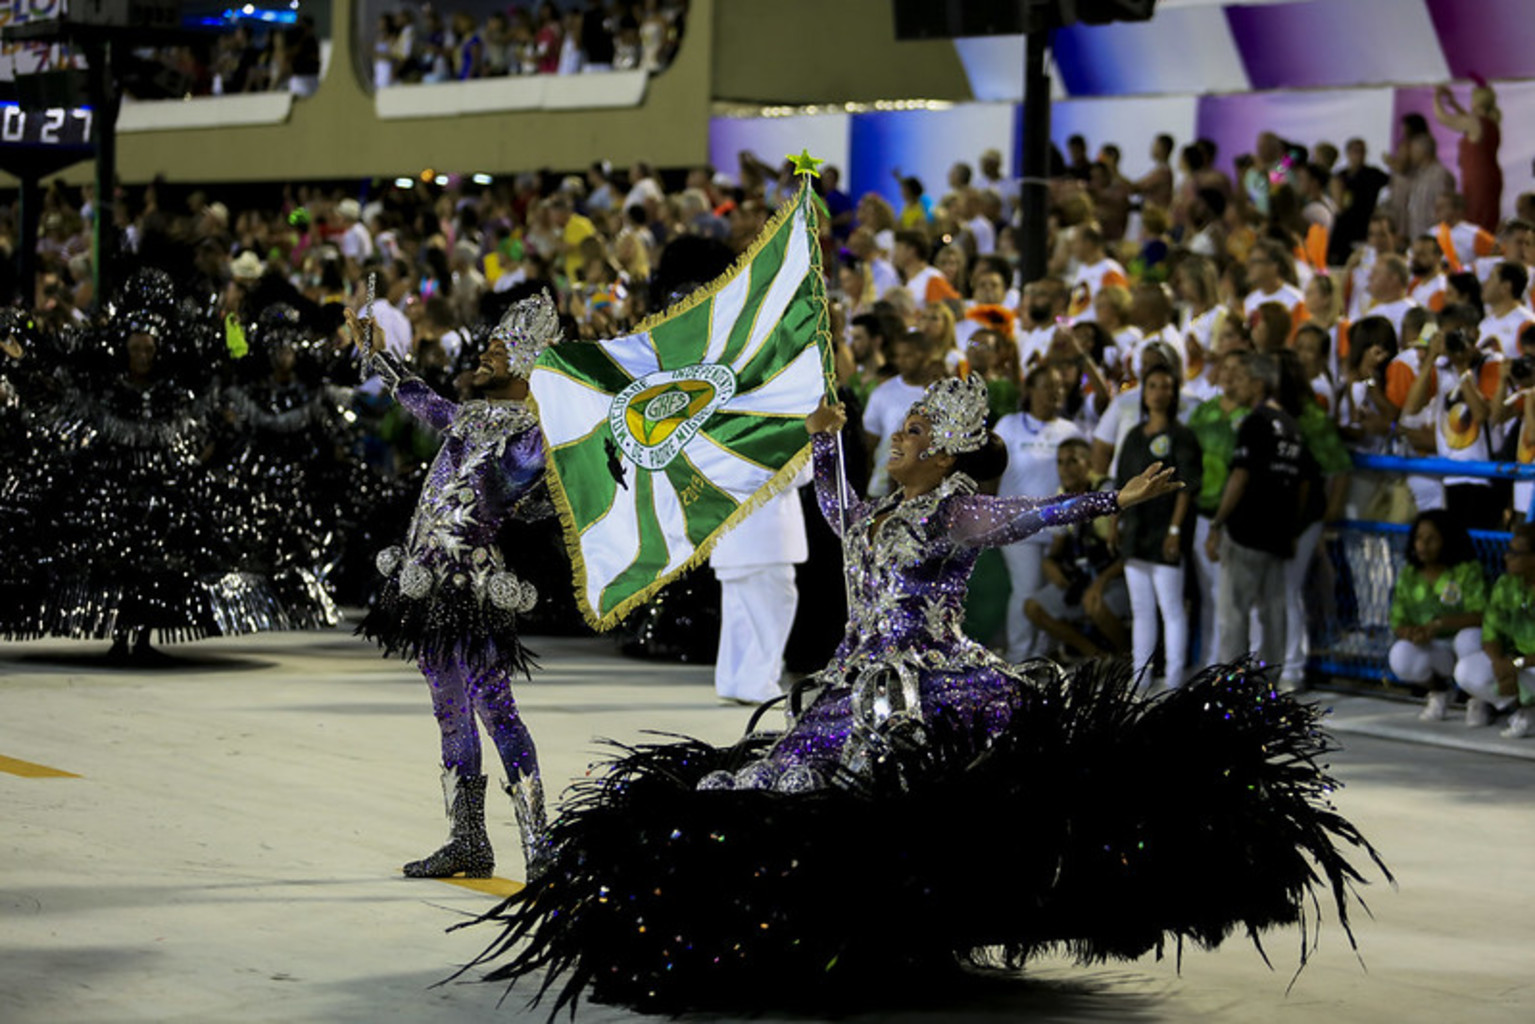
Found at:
(913, 463)
(493, 377)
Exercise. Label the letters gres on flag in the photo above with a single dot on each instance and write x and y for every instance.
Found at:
(658, 442)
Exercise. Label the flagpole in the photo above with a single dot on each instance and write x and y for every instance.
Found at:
(805, 168)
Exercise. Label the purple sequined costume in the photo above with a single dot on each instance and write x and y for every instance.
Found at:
(451, 604)
(933, 806)
(905, 658)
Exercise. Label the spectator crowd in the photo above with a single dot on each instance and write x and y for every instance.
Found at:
(418, 43)
(1252, 330)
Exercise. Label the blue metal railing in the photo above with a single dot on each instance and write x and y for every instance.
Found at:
(1350, 627)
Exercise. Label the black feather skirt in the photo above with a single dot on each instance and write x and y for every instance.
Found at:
(1098, 823)
(449, 624)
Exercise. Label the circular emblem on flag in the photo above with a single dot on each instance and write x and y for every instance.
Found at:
(656, 416)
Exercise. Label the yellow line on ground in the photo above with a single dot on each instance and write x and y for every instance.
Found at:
(489, 886)
(28, 770)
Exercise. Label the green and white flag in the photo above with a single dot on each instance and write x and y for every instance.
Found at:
(660, 441)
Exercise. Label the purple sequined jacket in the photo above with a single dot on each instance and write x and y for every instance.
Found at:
(910, 574)
(491, 457)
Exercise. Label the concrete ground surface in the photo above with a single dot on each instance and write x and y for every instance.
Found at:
(229, 848)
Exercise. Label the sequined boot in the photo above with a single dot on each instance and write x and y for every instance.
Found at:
(467, 851)
(527, 793)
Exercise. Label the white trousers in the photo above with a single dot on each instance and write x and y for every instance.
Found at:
(1473, 674)
(1207, 576)
(757, 604)
(1297, 645)
(1156, 590)
(1419, 663)
(1026, 571)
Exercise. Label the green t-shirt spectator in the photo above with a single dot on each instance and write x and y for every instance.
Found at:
(1320, 436)
(1216, 430)
(1510, 616)
(1458, 590)
(1001, 398)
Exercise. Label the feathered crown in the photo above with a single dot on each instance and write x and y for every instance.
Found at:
(527, 329)
(955, 408)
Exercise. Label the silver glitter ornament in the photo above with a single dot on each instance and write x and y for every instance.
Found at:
(527, 329)
(757, 775)
(505, 591)
(415, 580)
(955, 409)
(529, 597)
(717, 780)
(389, 559)
(799, 778)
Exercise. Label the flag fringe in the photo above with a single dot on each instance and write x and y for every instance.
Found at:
(602, 623)
(768, 491)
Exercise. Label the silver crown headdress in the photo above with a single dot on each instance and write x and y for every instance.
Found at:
(527, 329)
(955, 408)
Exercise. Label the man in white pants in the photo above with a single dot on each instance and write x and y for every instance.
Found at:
(755, 566)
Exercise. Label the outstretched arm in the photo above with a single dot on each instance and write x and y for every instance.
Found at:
(409, 390)
(982, 521)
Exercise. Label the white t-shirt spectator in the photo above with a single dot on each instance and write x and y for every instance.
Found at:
(1358, 284)
(1505, 329)
(1033, 344)
(1287, 295)
(357, 243)
(984, 234)
(1393, 311)
(1090, 279)
(884, 415)
(884, 274)
(645, 188)
(1031, 450)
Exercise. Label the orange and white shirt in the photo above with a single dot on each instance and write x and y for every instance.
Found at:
(1463, 244)
(1501, 333)
(1090, 279)
(1356, 286)
(1287, 295)
(1457, 434)
(928, 285)
(1485, 267)
(1393, 311)
(1428, 292)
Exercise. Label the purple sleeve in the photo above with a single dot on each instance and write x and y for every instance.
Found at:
(982, 521)
(425, 404)
(827, 479)
(522, 462)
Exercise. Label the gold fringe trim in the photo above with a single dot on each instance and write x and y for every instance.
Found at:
(768, 491)
(713, 288)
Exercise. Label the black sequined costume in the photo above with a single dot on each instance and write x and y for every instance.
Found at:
(287, 452)
(135, 537)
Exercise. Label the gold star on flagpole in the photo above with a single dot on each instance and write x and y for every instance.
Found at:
(804, 163)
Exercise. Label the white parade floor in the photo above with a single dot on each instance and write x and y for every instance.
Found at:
(229, 847)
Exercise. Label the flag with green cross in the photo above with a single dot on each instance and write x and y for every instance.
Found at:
(658, 442)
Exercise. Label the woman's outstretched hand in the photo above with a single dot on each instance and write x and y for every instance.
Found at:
(826, 419)
(1154, 482)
